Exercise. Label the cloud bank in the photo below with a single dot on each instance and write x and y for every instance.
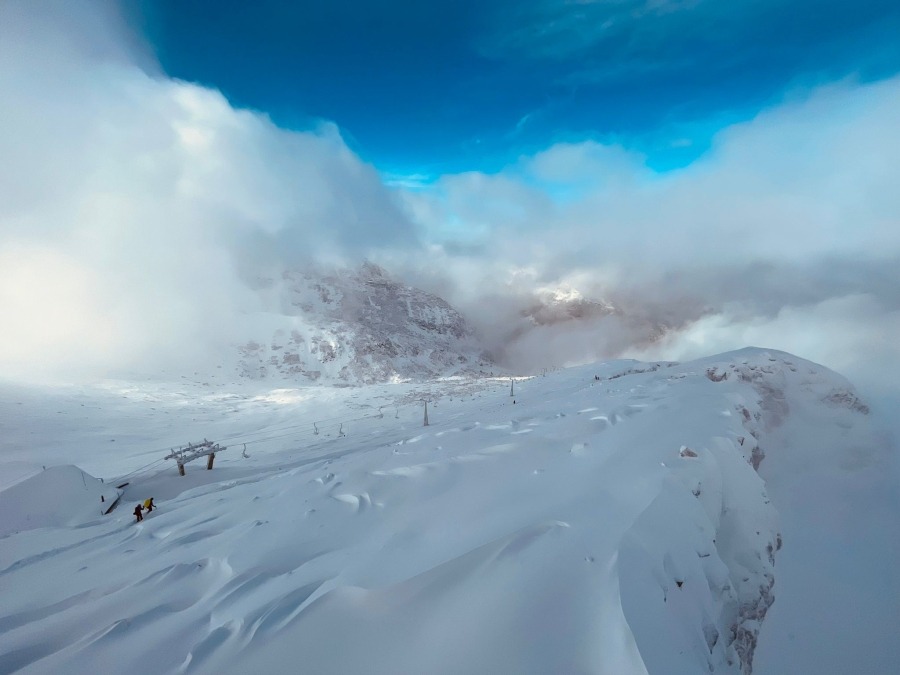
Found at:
(135, 209)
(785, 234)
(137, 212)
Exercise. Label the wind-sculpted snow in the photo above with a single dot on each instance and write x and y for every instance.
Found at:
(35, 501)
(582, 526)
(359, 327)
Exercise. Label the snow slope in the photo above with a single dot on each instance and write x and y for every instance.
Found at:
(611, 526)
(838, 608)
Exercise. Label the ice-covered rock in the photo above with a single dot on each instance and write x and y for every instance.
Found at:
(357, 327)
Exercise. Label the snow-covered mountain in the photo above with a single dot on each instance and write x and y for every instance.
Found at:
(611, 518)
(563, 304)
(356, 327)
(555, 325)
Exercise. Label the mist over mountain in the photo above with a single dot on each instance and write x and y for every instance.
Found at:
(449, 338)
(359, 325)
(355, 326)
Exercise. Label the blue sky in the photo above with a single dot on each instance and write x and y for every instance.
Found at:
(441, 87)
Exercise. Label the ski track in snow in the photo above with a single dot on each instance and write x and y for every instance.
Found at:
(593, 527)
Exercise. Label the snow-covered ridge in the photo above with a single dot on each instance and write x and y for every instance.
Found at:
(611, 520)
(357, 327)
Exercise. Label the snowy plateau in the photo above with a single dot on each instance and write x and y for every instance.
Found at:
(618, 518)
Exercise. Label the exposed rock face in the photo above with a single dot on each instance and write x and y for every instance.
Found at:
(359, 327)
(774, 378)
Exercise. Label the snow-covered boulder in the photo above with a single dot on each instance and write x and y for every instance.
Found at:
(56, 497)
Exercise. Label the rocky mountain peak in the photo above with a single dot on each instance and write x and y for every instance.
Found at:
(358, 326)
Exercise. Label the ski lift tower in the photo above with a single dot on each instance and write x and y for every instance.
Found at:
(194, 451)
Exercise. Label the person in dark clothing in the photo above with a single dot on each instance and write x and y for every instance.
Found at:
(138, 514)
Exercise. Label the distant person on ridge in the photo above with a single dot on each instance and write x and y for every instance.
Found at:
(148, 504)
(138, 514)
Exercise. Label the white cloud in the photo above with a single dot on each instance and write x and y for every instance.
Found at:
(131, 204)
(765, 239)
(854, 335)
(134, 208)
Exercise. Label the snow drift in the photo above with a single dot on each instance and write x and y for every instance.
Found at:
(57, 497)
(606, 519)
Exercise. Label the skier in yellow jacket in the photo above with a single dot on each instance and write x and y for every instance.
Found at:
(148, 504)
